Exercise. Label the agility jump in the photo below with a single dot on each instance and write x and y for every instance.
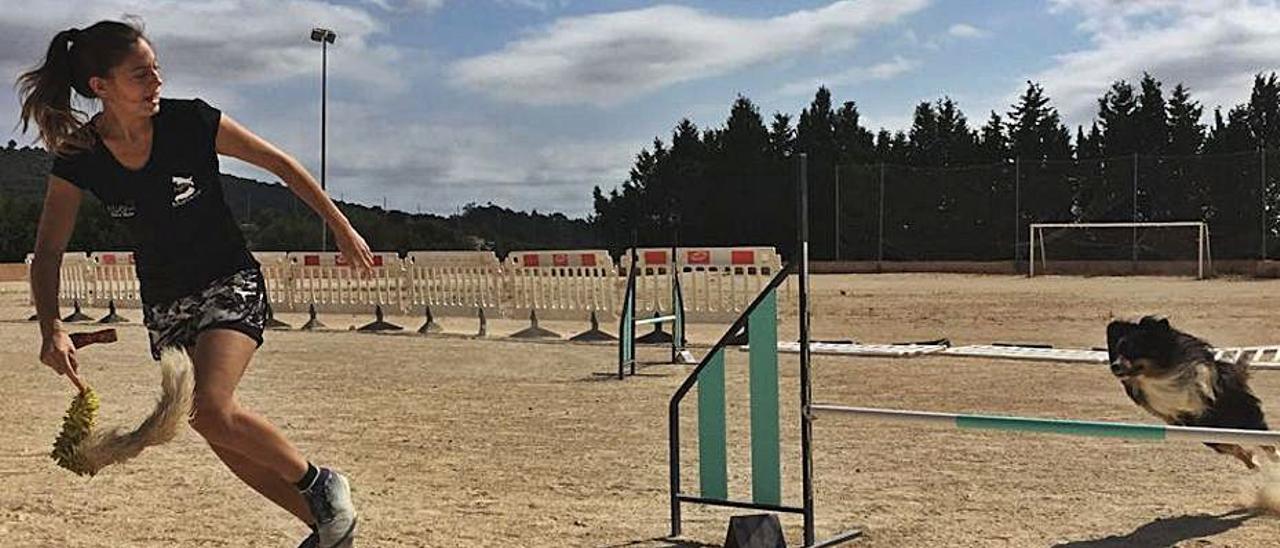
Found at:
(628, 322)
(760, 319)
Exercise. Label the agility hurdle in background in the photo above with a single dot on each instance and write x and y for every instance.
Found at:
(628, 322)
(760, 320)
(719, 282)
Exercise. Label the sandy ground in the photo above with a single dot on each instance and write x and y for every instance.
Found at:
(457, 442)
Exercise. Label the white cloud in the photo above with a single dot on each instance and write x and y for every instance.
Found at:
(1214, 48)
(1106, 18)
(221, 43)
(441, 163)
(425, 6)
(880, 71)
(608, 58)
(965, 30)
(428, 6)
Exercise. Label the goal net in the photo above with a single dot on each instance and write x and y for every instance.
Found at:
(1164, 248)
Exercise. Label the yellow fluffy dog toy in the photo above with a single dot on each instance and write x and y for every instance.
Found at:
(85, 450)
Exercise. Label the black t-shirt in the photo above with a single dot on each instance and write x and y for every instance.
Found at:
(183, 231)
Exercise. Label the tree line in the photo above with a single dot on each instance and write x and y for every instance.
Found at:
(951, 189)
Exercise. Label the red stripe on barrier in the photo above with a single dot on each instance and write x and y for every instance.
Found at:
(377, 260)
(655, 257)
(108, 259)
(743, 257)
(699, 256)
(311, 260)
(587, 259)
(529, 260)
(560, 259)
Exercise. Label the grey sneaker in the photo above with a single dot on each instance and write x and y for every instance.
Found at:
(312, 541)
(330, 502)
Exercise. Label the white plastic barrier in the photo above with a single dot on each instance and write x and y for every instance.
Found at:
(326, 280)
(715, 280)
(453, 281)
(277, 272)
(581, 280)
(115, 279)
(76, 280)
(653, 281)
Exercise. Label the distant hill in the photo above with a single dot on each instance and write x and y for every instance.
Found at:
(273, 219)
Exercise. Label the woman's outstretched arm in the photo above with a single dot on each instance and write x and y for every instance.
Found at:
(237, 141)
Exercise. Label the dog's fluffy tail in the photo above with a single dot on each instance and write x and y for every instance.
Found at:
(104, 448)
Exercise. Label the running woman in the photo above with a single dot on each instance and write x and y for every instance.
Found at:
(153, 163)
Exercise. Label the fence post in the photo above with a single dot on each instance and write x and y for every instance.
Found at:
(837, 222)
(1017, 210)
(880, 237)
(1134, 216)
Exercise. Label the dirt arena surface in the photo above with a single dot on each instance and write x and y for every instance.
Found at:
(458, 442)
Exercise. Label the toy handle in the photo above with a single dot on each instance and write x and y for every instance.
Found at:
(81, 340)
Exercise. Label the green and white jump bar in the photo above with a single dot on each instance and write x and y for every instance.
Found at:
(1096, 429)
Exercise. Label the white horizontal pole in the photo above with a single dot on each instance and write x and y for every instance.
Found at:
(659, 319)
(1118, 225)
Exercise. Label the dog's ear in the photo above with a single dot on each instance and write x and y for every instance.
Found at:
(1159, 323)
(1117, 330)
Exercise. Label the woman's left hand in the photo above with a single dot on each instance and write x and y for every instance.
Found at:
(354, 248)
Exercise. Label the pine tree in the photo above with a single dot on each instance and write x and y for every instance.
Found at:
(1264, 111)
(1151, 123)
(815, 136)
(1186, 133)
(993, 145)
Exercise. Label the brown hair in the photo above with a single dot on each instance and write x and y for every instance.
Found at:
(74, 56)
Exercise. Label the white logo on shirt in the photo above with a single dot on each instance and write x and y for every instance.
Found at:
(121, 211)
(184, 190)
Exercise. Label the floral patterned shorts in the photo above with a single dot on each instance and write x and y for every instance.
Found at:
(238, 302)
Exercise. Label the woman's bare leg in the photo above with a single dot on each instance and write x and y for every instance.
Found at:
(266, 483)
(254, 449)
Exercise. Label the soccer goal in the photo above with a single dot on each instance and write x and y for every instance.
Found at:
(1102, 245)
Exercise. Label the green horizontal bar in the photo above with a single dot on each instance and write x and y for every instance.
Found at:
(1060, 426)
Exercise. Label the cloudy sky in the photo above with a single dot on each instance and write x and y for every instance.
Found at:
(530, 103)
